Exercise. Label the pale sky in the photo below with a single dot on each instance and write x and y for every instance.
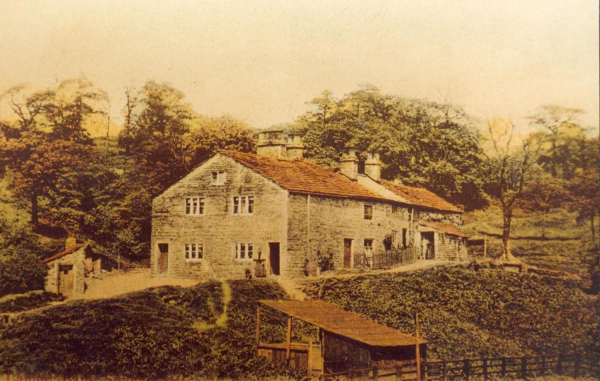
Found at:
(261, 61)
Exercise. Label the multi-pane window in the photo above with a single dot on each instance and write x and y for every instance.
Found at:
(368, 212)
(244, 251)
(194, 206)
(194, 251)
(243, 204)
(218, 177)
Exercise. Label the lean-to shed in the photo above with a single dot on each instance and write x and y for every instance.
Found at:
(346, 341)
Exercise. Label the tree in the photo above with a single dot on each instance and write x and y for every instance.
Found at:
(421, 143)
(585, 192)
(510, 162)
(208, 135)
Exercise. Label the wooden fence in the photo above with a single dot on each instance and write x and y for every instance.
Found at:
(387, 259)
(479, 368)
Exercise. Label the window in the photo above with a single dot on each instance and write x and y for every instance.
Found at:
(369, 247)
(219, 177)
(243, 204)
(194, 206)
(368, 212)
(404, 240)
(244, 251)
(194, 251)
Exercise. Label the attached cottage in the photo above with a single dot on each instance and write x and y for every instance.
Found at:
(274, 208)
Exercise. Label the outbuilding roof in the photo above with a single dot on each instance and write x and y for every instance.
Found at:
(67, 251)
(335, 320)
(298, 176)
(420, 197)
(444, 228)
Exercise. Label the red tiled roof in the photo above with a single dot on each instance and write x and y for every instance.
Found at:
(67, 251)
(299, 176)
(420, 197)
(444, 228)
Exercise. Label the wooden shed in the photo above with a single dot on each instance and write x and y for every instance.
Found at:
(345, 342)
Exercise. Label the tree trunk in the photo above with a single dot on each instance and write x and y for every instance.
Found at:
(34, 211)
(592, 226)
(506, 221)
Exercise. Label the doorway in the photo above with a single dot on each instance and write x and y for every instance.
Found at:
(427, 245)
(65, 280)
(163, 258)
(347, 253)
(274, 258)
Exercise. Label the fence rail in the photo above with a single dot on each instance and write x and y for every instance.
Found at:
(478, 368)
(387, 259)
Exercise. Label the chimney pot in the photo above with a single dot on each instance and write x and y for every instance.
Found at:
(373, 166)
(349, 164)
(70, 241)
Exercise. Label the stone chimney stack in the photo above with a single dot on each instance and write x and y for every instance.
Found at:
(349, 164)
(271, 143)
(70, 241)
(294, 149)
(373, 166)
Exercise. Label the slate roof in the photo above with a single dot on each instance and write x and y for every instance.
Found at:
(444, 228)
(67, 251)
(298, 176)
(420, 197)
(334, 319)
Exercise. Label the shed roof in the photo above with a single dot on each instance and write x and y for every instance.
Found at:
(298, 176)
(420, 197)
(334, 319)
(444, 228)
(67, 251)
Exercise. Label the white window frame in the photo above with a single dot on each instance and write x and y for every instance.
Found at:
(193, 252)
(243, 251)
(218, 177)
(242, 205)
(196, 205)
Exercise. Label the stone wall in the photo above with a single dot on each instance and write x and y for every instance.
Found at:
(320, 224)
(218, 229)
(76, 259)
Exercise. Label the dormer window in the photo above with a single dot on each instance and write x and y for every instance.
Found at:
(219, 177)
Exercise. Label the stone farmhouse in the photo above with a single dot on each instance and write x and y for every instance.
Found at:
(238, 208)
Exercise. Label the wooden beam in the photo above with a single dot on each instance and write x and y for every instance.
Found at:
(484, 246)
(258, 325)
(417, 348)
(289, 340)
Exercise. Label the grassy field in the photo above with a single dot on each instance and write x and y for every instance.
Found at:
(552, 241)
(208, 330)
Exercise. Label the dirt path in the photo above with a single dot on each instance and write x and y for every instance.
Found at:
(114, 284)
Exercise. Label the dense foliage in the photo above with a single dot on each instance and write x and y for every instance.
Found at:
(466, 313)
(157, 333)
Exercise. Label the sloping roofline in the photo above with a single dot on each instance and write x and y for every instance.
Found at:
(340, 322)
(67, 251)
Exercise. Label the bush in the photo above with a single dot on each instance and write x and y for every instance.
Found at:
(20, 271)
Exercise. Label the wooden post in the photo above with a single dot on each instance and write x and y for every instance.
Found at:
(559, 364)
(310, 354)
(543, 365)
(258, 325)
(444, 371)
(485, 369)
(399, 372)
(289, 340)
(503, 370)
(484, 246)
(467, 369)
(523, 367)
(417, 348)
(322, 337)
(374, 372)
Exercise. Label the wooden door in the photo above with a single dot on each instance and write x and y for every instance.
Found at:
(65, 280)
(347, 253)
(274, 259)
(163, 258)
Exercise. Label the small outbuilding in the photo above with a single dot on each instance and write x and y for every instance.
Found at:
(347, 343)
(68, 269)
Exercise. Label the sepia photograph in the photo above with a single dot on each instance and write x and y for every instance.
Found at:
(299, 190)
